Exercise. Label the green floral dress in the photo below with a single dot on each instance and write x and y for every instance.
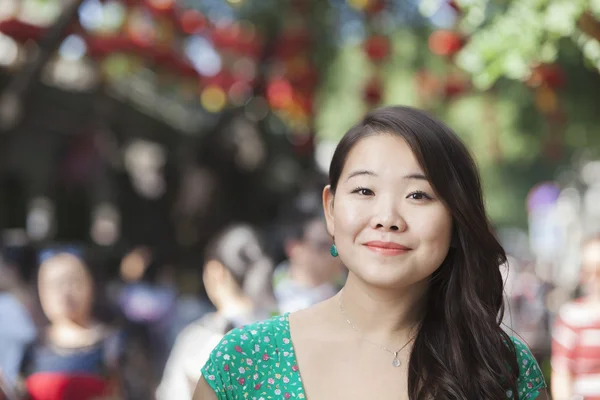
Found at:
(257, 362)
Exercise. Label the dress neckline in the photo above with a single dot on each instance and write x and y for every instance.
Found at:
(292, 350)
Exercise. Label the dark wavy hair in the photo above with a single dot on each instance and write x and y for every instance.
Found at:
(461, 351)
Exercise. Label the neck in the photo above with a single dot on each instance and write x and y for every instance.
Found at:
(384, 315)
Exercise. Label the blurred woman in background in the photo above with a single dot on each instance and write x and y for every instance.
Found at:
(75, 356)
(576, 335)
(17, 326)
(237, 276)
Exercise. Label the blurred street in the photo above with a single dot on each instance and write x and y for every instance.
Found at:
(162, 164)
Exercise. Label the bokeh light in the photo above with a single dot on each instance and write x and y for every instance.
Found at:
(213, 98)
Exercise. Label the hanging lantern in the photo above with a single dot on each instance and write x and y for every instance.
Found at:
(453, 87)
(445, 43)
(551, 75)
(377, 47)
(192, 21)
(279, 93)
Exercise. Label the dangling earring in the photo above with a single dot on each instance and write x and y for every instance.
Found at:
(333, 251)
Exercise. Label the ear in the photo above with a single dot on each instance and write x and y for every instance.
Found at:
(328, 198)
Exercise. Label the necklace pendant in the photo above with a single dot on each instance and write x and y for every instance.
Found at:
(395, 362)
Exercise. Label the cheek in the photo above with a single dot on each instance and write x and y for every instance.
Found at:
(433, 229)
(350, 217)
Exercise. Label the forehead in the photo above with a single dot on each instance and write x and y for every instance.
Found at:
(61, 266)
(382, 154)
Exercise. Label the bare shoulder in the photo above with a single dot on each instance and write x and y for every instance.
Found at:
(203, 391)
(314, 322)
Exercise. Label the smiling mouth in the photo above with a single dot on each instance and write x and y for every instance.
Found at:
(387, 248)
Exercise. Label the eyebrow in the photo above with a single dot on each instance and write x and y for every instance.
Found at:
(418, 175)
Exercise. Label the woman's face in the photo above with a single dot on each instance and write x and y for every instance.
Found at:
(65, 288)
(390, 228)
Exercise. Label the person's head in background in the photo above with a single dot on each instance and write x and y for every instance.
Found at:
(66, 289)
(307, 247)
(590, 267)
(135, 264)
(237, 274)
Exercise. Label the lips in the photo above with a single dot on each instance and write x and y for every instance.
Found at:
(387, 248)
(386, 245)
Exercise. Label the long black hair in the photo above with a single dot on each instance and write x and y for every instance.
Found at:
(461, 351)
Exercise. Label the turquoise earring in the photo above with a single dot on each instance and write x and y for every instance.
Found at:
(333, 251)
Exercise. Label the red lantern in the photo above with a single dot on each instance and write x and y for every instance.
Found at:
(453, 87)
(550, 75)
(192, 21)
(279, 93)
(377, 47)
(445, 43)
(553, 75)
(373, 92)
(21, 31)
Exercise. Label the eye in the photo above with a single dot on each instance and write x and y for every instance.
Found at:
(419, 195)
(363, 191)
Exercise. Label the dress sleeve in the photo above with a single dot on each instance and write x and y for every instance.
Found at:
(531, 379)
(227, 367)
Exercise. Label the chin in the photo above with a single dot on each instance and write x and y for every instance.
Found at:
(382, 279)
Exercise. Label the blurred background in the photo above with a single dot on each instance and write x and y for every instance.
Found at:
(162, 161)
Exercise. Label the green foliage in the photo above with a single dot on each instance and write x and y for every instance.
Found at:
(507, 38)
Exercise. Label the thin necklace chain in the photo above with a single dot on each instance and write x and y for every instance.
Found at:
(366, 339)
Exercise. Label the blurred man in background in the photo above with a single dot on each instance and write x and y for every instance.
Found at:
(237, 276)
(310, 274)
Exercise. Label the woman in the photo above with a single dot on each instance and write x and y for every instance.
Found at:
(75, 357)
(575, 344)
(419, 315)
(237, 277)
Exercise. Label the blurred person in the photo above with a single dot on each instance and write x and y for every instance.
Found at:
(419, 315)
(530, 312)
(75, 356)
(237, 276)
(17, 328)
(576, 335)
(146, 298)
(309, 275)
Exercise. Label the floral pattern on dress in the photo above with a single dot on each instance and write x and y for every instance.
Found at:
(258, 362)
(531, 379)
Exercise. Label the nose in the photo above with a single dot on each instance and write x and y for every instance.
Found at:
(388, 217)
